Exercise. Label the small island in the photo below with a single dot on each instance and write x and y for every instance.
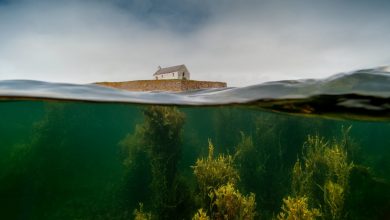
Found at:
(173, 79)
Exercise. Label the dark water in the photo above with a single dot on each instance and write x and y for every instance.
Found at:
(282, 150)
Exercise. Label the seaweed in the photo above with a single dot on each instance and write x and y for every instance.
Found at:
(59, 170)
(65, 164)
(213, 172)
(323, 175)
(297, 208)
(261, 161)
(217, 178)
(159, 139)
(137, 175)
(251, 162)
(200, 215)
(229, 203)
(140, 214)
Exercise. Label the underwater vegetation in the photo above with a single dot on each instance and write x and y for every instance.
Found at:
(139, 214)
(100, 161)
(323, 175)
(231, 204)
(213, 172)
(316, 185)
(217, 178)
(162, 135)
(265, 154)
(55, 170)
(297, 209)
(324, 180)
(201, 215)
(158, 141)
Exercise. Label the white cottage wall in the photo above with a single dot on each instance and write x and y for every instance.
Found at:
(174, 75)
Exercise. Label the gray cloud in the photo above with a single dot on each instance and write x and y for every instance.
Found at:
(241, 42)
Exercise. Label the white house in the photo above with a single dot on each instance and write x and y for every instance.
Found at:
(172, 72)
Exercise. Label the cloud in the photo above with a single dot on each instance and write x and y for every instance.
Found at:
(241, 42)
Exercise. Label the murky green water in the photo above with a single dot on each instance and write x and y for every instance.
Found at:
(74, 160)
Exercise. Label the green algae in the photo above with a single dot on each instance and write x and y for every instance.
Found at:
(323, 175)
(140, 214)
(158, 141)
(297, 208)
(217, 178)
(99, 161)
(213, 172)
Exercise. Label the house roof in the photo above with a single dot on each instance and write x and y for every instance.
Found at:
(169, 69)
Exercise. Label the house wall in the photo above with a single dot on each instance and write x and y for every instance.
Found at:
(174, 75)
(187, 75)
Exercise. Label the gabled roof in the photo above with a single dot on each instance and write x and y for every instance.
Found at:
(170, 69)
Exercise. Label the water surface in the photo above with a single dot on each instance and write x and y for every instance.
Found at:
(89, 152)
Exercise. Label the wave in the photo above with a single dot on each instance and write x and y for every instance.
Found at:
(360, 93)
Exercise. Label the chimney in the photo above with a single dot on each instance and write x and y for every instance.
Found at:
(159, 67)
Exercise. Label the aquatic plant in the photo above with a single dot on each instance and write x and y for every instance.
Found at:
(50, 163)
(159, 138)
(323, 175)
(132, 145)
(297, 208)
(200, 215)
(140, 214)
(213, 172)
(216, 178)
(260, 159)
(137, 175)
(250, 159)
(334, 198)
(162, 133)
(230, 204)
(237, 122)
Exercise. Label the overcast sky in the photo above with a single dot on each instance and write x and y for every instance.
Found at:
(240, 42)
